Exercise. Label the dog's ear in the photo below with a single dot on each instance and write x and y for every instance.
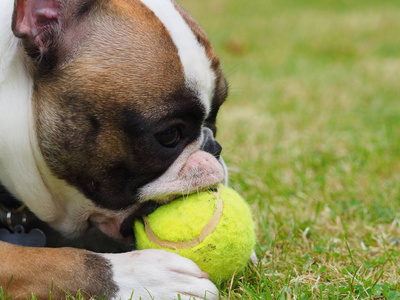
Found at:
(38, 24)
(31, 17)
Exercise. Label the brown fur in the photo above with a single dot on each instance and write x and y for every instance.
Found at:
(57, 271)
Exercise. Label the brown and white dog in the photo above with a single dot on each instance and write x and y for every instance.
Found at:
(104, 105)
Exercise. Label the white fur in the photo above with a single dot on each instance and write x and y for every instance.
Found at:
(18, 169)
(22, 167)
(196, 65)
(158, 274)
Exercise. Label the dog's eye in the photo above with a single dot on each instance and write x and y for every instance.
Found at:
(169, 138)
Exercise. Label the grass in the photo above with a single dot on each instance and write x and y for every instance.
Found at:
(311, 133)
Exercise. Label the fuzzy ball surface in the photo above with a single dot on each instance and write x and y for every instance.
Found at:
(214, 229)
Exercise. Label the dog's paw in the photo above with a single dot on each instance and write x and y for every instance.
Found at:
(158, 274)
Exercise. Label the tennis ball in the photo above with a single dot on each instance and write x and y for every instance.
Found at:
(215, 229)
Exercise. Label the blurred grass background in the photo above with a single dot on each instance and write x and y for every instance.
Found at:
(311, 134)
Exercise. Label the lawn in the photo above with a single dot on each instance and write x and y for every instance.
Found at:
(311, 133)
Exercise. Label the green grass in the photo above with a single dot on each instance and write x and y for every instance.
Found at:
(311, 132)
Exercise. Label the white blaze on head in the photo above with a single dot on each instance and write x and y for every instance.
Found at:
(196, 65)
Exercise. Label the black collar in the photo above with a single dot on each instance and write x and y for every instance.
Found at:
(12, 211)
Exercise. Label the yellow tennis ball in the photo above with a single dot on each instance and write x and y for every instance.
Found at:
(215, 229)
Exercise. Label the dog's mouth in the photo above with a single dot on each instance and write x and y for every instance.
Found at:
(148, 207)
(120, 225)
(126, 228)
(194, 172)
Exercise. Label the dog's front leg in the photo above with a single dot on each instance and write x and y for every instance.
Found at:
(41, 271)
(146, 274)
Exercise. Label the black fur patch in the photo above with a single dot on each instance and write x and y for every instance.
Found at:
(109, 153)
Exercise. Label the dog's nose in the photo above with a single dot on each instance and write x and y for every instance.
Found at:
(210, 145)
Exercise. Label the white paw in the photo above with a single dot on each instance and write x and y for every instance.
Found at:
(158, 274)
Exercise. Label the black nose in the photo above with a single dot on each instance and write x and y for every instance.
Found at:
(209, 144)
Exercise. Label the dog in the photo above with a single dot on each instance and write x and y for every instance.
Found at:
(107, 109)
